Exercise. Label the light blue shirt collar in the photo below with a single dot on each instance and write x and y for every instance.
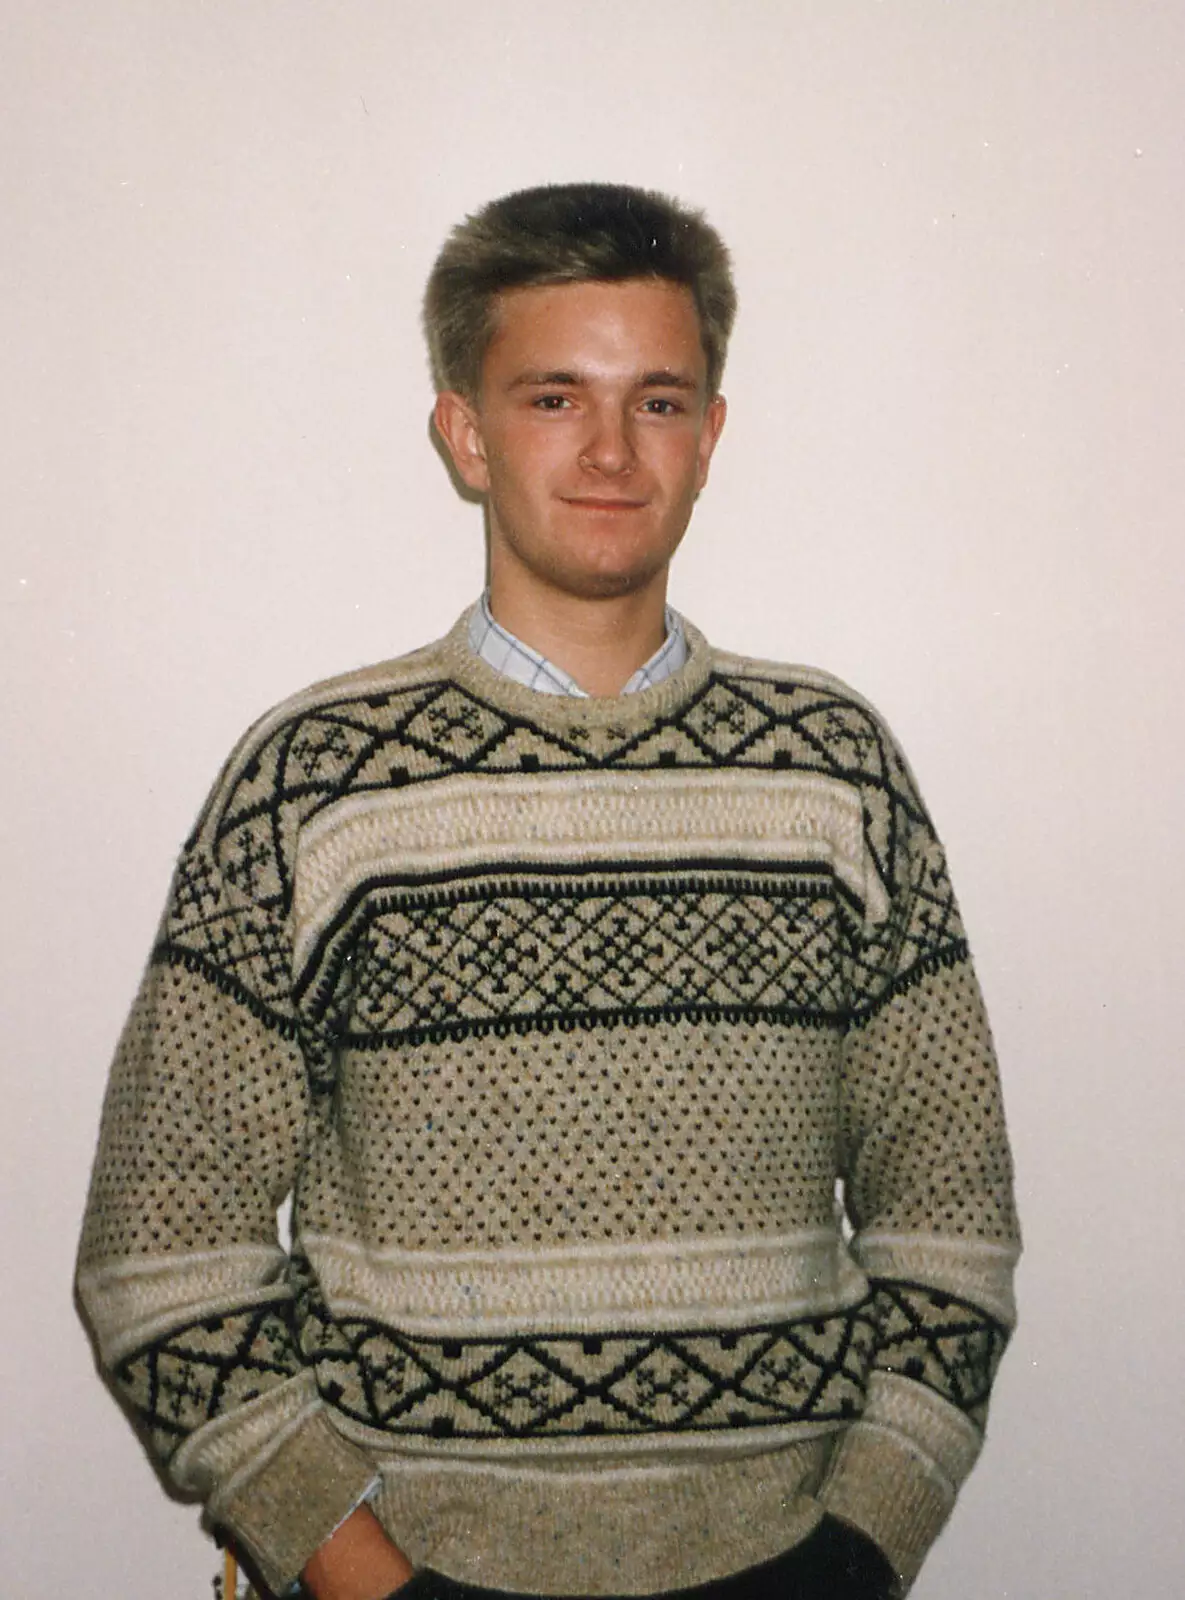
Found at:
(499, 649)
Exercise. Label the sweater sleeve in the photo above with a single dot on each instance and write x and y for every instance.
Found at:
(928, 1192)
(181, 1273)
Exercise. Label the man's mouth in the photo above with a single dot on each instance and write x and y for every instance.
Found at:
(600, 502)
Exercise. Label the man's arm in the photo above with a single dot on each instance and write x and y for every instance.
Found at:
(928, 1188)
(181, 1273)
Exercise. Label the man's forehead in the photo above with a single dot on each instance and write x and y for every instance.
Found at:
(565, 289)
(595, 315)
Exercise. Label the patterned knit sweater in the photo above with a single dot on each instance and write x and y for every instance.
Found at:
(651, 1188)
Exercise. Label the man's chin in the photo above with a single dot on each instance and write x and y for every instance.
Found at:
(607, 578)
(607, 585)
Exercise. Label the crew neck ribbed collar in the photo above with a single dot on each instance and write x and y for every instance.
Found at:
(563, 713)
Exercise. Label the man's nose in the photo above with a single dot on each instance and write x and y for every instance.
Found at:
(609, 445)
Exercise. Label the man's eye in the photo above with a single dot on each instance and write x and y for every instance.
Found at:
(659, 406)
(550, 402)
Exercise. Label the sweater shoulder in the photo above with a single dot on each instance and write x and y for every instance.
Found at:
(331, 704)
(360, 685)
(798, 680)
(840, 725)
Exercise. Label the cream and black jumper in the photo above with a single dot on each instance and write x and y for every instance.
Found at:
(628, 1066)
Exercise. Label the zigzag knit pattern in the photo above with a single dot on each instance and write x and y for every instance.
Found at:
(198, 1372)
(452, 957)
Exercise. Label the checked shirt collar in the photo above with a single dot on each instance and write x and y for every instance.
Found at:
(499, 649)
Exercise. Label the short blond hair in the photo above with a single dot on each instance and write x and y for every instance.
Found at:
(569, 233)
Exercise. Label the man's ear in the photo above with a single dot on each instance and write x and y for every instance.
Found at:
(713, 425)
(458, 425)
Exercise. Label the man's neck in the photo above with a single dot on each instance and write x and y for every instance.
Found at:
(600, 643)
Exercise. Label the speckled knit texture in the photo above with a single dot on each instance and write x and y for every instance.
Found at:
(629, 1067)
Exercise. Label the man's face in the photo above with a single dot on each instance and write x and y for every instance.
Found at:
(591, 435)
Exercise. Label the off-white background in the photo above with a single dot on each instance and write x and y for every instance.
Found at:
(953, 473)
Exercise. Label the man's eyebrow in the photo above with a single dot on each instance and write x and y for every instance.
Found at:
(660, 378)
(532, 379)
(665, 378)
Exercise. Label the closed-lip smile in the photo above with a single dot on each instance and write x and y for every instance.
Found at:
(601, 502)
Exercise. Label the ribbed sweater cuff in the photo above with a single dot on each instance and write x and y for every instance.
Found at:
(896, 1472)
(291, 1504)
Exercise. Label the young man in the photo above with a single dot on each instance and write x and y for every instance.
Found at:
(566, 970)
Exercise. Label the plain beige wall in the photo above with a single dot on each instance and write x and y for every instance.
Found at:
(953, 473)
